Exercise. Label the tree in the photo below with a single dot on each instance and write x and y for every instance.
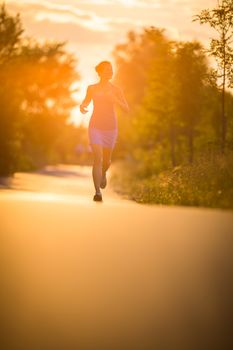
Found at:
(133, 60)
(158, 115)
(35, 95)
(168, 99)
(10, 136)
(221, 19)
(44, 78)
(191, 72)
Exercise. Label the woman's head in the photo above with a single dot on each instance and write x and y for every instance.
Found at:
(104, 69)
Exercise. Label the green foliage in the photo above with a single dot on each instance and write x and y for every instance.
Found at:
(198, 184)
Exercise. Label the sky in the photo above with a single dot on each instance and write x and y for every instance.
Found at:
(93, 27)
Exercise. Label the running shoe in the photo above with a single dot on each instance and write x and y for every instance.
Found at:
(98, 197)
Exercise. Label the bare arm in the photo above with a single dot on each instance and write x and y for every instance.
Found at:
(86, 100)
(117, 96)
(121, 100)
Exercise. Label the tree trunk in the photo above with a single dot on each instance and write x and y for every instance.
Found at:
(223, 117)
(172, 144)
(191, 149)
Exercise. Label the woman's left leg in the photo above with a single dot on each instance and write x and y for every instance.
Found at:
(107, 155)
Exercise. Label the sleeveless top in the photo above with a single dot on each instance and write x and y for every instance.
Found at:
(104, 115)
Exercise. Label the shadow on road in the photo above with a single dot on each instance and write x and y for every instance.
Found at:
(65, 171)
(67, 178)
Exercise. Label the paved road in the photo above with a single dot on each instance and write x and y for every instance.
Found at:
(114, 275)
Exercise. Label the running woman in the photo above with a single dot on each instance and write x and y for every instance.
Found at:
(103, 126)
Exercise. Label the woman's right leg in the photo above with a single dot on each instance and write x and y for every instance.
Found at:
(97, 166)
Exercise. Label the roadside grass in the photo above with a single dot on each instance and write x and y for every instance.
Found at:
(208, 182)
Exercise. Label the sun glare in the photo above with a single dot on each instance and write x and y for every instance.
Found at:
(128, 2)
